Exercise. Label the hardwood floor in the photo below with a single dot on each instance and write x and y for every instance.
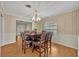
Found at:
(14, 50)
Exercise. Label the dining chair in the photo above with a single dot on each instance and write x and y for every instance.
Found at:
(22, 37)
(48, 41)
(25, 41)
(40, 45)
(46, 44)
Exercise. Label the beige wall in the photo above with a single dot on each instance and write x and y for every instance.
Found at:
(67, 23)
(21, 27)
(67, 28)
(78, 23)
(9, 29)
(29, 27)
(0, 29)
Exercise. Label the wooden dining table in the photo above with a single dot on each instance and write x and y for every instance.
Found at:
(35, 38)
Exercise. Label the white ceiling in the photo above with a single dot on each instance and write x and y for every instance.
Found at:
(45, 8)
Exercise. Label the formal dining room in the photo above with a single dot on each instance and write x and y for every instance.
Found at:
(39, 28)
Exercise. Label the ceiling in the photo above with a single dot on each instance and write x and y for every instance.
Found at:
(45, 8)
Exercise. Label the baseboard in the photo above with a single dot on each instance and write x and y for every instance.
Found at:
(64, 44)
(66, 40)
(78, 46)
(8, 43)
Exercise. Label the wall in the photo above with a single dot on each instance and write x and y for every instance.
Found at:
(23, 26)
(0, 29)
(9, 29)
(20, 28)
(78, 45)
(78, 30)
(66, 28)
(29, 26)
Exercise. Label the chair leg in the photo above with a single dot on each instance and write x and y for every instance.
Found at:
(47, 48)
(24, 51)
(24, 47)
(40, 55)
(40, 50)
(32, 48)
(44, 52)
(50, 46)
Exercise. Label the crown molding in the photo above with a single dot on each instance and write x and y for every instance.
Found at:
(21, 18)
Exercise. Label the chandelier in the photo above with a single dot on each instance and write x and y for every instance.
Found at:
(36, 16)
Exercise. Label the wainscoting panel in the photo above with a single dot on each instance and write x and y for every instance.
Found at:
(66, 40)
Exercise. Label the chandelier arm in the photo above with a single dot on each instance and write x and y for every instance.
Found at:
(36, 15)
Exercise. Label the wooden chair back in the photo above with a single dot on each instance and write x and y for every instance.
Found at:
(48, 40)
(43, 35)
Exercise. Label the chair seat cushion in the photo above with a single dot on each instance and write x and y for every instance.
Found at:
(36, 43)
(28, 42)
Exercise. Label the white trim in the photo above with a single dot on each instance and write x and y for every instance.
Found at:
(18, 17)
(21, 19)
(8, 43)
(78, 45)
(64, 44)
(66, 40)
(3, 30)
